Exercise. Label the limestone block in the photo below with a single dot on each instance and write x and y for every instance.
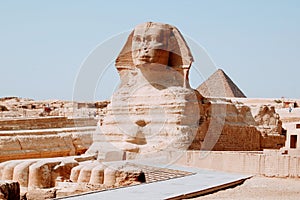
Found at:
(9, 143)
(49, 145)
(41, 173)
(82, 141)
(36, 146)
(63, 170)
(105, 151)
(268, 121)
(129, 175)
(8, 169)
(86, 171)
(2, 165)
(75, 173)
(97, 175)
(21, 172)
(41, 194)
(109, 176)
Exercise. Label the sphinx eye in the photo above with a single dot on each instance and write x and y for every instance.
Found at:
(137, 38)
(149, 38)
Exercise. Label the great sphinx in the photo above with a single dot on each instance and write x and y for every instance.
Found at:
(154, 108)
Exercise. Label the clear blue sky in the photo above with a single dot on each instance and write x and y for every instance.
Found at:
(43, 43)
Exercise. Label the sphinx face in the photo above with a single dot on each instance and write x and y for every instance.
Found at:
(150, 45)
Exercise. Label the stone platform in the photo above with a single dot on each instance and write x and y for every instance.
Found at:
(194, 183)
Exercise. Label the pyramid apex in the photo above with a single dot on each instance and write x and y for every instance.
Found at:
(219, 84)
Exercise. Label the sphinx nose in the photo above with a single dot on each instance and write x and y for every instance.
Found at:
(145, 49)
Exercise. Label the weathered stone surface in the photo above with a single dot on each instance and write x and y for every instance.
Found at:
(34, 173)
(154, 109)
(21, 172)
(85, 172)
(76, 171)
(129, 175)
(268, 121)
(41, 174)
(226, 126)
(41, 194)
(230, 126)
(7, 170)
(82, 141)
(9, 190)
(110, 176)
(21, 108)
(269, 124)
(47, 144)
(44, 123)
(97, 175)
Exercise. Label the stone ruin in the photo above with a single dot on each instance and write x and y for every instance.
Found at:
(154, 113)
(268, 121)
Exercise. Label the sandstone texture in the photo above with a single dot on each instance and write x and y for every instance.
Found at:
(15, 107)
(226, 126)
(46, 139)
(154, 109)
(268, 121)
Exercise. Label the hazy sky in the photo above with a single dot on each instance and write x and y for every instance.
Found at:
(44, 43)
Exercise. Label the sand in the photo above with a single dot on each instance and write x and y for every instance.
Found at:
(260, 188)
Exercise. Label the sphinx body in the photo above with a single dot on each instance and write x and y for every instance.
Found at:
(154, 109)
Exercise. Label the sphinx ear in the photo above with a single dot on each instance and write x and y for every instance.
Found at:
(180, 54)
(124, 58)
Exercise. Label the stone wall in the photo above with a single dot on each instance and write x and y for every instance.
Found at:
(272, 141)
(42, 143)
(228, 126)
(270, 164)
(238, 138)
(44, 123)
(44, 137)
(232, 138)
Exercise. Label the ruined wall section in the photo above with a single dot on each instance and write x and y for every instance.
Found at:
(44, 123)
(239, 131)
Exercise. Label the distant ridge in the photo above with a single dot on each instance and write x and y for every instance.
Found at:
(220, 85)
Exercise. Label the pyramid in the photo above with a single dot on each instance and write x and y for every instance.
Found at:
(220, 85)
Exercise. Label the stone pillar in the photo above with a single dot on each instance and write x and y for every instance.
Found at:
(109, 176)
(97, 175)
(41, 174)
(21, 172)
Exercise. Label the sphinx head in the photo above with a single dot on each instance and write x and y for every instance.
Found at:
(150, 44)
(155, 43)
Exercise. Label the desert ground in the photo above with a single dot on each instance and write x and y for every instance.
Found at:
(259, 187)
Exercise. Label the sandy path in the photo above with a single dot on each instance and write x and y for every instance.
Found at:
(260, 188)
